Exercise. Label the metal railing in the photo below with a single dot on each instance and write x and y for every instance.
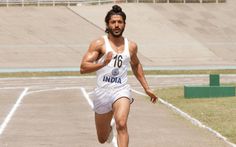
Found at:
(177, 1)
(23, 3)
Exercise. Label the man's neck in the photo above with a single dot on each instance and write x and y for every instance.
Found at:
(116, 40)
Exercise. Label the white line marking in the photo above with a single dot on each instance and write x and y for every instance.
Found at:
(3, 88)
(49, 78)
(86, 95)
(52, 89)
(45, 87)
(191, 119)
(11, 113)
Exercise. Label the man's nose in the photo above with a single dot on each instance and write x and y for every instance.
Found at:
(116, 24)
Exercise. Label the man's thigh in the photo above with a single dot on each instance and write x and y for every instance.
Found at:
(121, 109)
(103, 123)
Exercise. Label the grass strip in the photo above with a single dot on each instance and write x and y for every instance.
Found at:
(217, 113)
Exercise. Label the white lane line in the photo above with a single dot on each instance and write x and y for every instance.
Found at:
(48, 78)
(3, 88)
(86, 95)
(11, 113)
(191, 119)
(52, 89)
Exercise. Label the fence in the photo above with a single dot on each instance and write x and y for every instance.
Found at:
(177, 1)
(23, 3)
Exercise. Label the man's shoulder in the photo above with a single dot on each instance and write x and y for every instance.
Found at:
(97, 45)
(98, 42)
(132, 45)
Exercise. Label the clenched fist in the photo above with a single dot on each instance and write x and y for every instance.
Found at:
(108, 58)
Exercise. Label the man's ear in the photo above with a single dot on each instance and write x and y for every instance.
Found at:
(107, 31)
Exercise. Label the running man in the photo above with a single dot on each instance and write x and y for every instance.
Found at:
(110, 56)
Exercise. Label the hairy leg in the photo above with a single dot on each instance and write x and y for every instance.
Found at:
(121, 111)
(103, 127)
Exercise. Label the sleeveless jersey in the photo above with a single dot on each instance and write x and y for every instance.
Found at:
(114, 75)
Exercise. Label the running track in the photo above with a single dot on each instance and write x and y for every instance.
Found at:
(54, 111)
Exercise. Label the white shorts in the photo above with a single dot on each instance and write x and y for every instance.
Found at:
(104, 98)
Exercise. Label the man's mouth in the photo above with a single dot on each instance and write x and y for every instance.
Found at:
(117, 30)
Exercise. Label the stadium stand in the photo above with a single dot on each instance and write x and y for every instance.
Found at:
(168, 34)
(177, 34)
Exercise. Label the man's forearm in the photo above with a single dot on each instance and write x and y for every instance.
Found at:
(90, 67)
(139, 74)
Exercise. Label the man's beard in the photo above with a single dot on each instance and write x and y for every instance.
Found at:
(114, 34)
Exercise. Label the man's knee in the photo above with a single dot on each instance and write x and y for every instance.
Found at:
(102, 140)
(121, 125)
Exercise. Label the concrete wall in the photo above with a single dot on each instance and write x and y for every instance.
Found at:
(167, 34)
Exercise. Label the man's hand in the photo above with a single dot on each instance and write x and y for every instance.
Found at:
(153, 97)
(108, 58)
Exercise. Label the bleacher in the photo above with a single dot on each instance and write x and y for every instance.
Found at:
(169, 34)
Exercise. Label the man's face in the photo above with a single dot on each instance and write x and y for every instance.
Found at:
(116, 25)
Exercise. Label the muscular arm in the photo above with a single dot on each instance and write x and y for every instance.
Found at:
(88, 62)
(138, 71)
(137, 67)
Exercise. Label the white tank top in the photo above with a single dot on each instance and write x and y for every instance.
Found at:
(114, 75)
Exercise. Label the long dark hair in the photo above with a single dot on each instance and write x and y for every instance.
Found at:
(116, 10)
